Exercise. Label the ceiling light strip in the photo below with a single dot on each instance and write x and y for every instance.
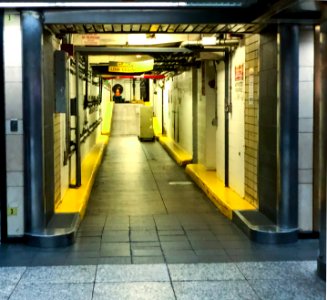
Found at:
(118, 4)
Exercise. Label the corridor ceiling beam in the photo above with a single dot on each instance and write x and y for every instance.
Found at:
(150, 16)
(117, 50)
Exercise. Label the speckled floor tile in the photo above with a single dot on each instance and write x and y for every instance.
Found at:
(132, 273)
(133, 291)
(11, 274)
(59, 274)
(9, 277)
(279, 270)
(282, 289)
(219, 271)
(50, 291)
(222, 290)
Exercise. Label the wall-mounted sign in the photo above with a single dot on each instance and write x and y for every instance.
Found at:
(239, 82)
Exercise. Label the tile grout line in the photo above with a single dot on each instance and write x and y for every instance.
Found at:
(18, 282)
(165, 260)
(155, 180)
(95, 277)
(130, 239)
(236, 265)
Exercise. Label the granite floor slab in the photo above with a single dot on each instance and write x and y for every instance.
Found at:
(222, 290)
(52, 291)
(162, 281)
(133, 291)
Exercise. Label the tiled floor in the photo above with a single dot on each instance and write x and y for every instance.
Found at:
(264, 280)
(149, 233)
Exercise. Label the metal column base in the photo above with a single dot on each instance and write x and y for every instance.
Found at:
(262, 230)
(321, 268)
(60, 232)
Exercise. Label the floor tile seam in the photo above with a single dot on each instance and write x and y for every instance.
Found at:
(209, 280)
(95, 277)
(157, 185)
(165, 260)
(247, 280)
(133, 281)
(18, 281)
(185, 233)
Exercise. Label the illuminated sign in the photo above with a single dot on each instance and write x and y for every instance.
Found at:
(131, 66)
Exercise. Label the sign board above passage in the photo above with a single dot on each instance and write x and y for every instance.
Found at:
(130, 67)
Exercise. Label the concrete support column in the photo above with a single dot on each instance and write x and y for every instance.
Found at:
(287, 127)
(322, 151)
(33, 123)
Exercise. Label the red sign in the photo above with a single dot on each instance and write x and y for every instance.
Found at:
(239, 72)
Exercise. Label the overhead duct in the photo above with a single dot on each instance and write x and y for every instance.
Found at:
(209, 42)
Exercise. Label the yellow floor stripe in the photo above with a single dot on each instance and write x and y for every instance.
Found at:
(224, 198)
(75, 200)
(176, 152)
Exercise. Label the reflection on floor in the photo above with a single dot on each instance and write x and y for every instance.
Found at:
(138, 213)
(150, 234)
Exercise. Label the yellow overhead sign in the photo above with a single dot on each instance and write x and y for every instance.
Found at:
(130, 67)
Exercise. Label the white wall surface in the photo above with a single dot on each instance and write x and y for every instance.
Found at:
(167, 123)
(236, 128)
(220, 133)
(14, 110)
(306, 93)
(157, 102)
(201, 120)
(210, 135)
(183, 106)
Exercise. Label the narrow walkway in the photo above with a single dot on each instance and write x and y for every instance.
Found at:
(144, 209)
(149, 233)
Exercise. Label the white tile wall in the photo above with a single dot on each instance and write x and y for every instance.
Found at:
(236, 129)
(15, 199)
(306, 94)
(211, 98)
(305, 150)
(306, 99)
(220, 133)
(14, 110)
(14, 151)
(184, 103)
(15, 179)
(305, 176)
(305, 207)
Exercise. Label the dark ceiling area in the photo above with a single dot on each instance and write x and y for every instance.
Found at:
(220, 18)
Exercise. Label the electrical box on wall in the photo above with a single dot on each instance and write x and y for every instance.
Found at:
(60, 58)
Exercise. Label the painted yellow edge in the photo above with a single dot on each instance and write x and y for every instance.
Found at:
(224, 198)
(156, 127)
(75, 200)
(107, 118)
(176, 152)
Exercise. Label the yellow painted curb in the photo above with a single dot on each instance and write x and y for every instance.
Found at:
(107, 118)
(75, 199)
(156, 127)
(224, 198)
(175, 151)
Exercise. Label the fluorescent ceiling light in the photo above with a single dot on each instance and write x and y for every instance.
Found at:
(92, 4)
(120, 4)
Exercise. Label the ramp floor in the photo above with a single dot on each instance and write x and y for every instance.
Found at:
(145, 209)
